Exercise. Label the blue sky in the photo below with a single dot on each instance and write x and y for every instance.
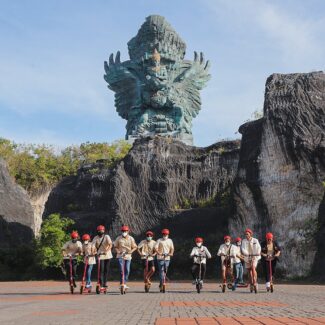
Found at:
(52, 52)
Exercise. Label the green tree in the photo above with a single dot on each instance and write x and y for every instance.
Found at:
(34, 166)
(54, 233)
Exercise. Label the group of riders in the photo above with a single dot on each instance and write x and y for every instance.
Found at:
(234, 257)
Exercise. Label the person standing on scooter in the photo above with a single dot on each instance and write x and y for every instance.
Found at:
(103, 245)
(199, 254)
(237, 263)
(89, 251)
(146, 250)
(165, 250)
(72, 248)
(124, 245)
(251, 249)
(270, 253)
(225, 252)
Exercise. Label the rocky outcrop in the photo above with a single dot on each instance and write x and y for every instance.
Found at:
(279, 187)
(154, 182)
(38, 199)
(16, 213)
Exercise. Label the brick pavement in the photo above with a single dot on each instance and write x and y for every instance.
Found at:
(50, 303)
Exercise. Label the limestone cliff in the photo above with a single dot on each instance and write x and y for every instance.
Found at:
(158, 178)
(16, 213)
(278, 186)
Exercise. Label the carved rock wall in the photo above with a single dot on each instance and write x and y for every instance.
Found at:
(279, 187)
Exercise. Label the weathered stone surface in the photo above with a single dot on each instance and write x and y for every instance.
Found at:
(150, 184)
(157, 91)
(16, 213)
(279, 187)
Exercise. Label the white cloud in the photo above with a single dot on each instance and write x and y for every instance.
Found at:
(298, 37)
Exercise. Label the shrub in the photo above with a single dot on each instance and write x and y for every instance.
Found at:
(53, 234)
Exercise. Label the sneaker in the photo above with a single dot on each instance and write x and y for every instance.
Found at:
(126, 287)
(201, 282)
(194, 282)
(267, 284)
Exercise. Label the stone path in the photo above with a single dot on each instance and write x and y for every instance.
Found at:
(49, 302)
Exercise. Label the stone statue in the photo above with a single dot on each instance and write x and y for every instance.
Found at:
(157, 91)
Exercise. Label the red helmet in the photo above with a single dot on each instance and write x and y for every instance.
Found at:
(100, 228)
(269, 235)
(226, 237)
(125, 228)
(165, 232)
(249, 230)
(237, 239)
(199, 240)
(74, 235)
(85, 237)
(149, 233)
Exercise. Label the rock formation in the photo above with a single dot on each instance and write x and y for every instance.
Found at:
(279, 186)
(152, 183)
(16, 213)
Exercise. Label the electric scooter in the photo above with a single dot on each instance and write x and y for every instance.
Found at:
(147, 283)
(198, 280)
(271, 288)
(99, 288)
(253, 280)
(83, 288)
(122, 287)
(71, 280)
(229, 274)
(163, 286)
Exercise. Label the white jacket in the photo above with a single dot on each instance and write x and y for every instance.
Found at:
(203, 252)
(251, 247)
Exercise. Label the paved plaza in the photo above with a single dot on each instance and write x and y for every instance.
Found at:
(48, 302)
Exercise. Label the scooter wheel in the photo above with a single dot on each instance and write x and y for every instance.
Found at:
(271, 288)
(229, 286)
(98, 290)
(255, 288)
(146, 288)
(105, 292)
(198, 287)
(223, 288)
(251, 288)
(71, 289)
(81, 289)
(122, 291)
(163, 288)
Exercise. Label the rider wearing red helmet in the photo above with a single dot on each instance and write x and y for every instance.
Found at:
(103, 244)
(164, 249)
(270, 253)
(72, 249)
(89, 251)
(199, 254)
(124, 245)
(146, 249)
(237, 264)
(251, 250)
(226, 252)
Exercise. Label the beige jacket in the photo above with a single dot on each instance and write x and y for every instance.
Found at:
(71, 248)
(164, 246)
(147, 248)
(124, 244)
(104, 250)
(89, 251)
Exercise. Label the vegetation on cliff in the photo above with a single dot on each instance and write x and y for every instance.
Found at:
(34, 166)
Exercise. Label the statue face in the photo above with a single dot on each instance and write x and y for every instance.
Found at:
(156, 75)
